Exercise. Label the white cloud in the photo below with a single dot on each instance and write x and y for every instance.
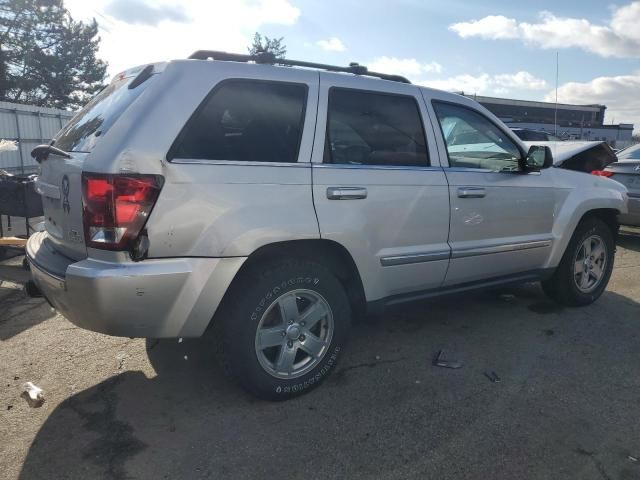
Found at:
(619, 38)
(434, 67)
(461, 83)
(484, 83)
(409, 67)
(215, 25)
(493, 27)
(620, 94)
(333, 44)
(520, 80)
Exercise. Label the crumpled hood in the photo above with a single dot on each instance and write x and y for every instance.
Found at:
(563, 151)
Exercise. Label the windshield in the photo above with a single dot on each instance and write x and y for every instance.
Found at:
(83, 131)
(630, 153)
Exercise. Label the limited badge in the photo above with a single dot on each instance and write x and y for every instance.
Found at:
(65, 195)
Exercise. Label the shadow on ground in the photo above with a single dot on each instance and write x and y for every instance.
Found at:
(629, 239)
(18, 312)
(566, 405)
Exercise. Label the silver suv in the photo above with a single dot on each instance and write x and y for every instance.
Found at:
(271, 204)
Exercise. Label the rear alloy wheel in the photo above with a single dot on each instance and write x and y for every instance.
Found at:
(294, 334)
(282, 328)
(586, 265)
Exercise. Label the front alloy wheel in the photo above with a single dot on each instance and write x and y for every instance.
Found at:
(586, 265)
(590, 263)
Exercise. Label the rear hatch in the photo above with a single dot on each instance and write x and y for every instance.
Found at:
(60, 179)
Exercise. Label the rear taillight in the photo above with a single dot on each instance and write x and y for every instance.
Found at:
(116, 207)
(602, 173)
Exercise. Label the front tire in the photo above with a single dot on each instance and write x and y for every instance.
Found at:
(586, 266)
(283, 327)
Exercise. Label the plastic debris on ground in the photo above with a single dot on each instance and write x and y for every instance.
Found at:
(444, 361)
(33, 394)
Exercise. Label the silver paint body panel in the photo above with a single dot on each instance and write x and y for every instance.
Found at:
(407, 228)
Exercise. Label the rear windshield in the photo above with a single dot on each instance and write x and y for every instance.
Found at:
(83, 131)
(631, 153)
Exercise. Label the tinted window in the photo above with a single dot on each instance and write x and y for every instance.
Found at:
(475, 142)
(366, 128)
(246, 120)
(85, 129)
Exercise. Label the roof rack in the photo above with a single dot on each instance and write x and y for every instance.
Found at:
(270, 59)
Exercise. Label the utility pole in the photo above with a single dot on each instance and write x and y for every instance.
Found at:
(555, 113)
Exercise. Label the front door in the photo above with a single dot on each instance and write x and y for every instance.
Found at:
(378, 187)
(501, 216)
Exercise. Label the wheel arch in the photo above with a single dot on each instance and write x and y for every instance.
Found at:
(609, 215)
(329, 253)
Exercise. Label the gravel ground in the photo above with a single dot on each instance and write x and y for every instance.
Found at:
(567, 405)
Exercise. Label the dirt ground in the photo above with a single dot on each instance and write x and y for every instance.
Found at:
(567, 405)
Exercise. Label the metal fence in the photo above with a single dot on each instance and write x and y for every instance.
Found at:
(29, 126)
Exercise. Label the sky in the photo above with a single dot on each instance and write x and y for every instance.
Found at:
(495, 48)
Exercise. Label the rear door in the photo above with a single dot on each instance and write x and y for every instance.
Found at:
(378, 187)
(60, 179)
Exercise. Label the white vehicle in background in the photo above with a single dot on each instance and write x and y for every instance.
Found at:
(627, 171)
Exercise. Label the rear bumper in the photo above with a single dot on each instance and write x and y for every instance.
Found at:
(632, 217)
(161, 298)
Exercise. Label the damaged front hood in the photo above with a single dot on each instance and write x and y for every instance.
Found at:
(563, 151)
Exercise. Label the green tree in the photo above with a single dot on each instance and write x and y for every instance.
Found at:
(264, 44)
(47, 58)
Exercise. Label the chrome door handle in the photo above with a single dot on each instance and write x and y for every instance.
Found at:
(346, 193)
(471, 192)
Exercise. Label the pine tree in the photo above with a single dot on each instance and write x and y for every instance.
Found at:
(267, 45)
(47, 58)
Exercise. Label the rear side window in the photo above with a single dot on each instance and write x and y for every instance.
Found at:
(368, 128)
(247, 121)
(85, 129)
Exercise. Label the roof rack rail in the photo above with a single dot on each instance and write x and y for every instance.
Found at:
(270, 59)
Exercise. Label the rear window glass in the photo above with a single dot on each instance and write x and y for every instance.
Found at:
(631, 153)
(368, 128)
(84, 130)
(247, 121)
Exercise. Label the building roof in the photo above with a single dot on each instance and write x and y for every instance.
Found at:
(531, 103)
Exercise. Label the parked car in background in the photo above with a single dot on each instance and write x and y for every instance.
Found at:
(580, 156)
(528, 135)
(269, 205)
(627, 171)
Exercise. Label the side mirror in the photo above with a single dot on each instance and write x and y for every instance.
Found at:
(538, 157)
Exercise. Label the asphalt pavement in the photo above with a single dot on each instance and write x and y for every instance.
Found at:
(566, 406)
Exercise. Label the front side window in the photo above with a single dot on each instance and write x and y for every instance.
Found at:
(475, 142)
(246, 120)
(367, 128)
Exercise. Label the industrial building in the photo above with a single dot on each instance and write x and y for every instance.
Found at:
(581, 122)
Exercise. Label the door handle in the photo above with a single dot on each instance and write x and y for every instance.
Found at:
(471, 192)
(346, 193)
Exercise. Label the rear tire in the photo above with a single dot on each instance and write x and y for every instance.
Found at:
(586, 266)
(282, 328)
